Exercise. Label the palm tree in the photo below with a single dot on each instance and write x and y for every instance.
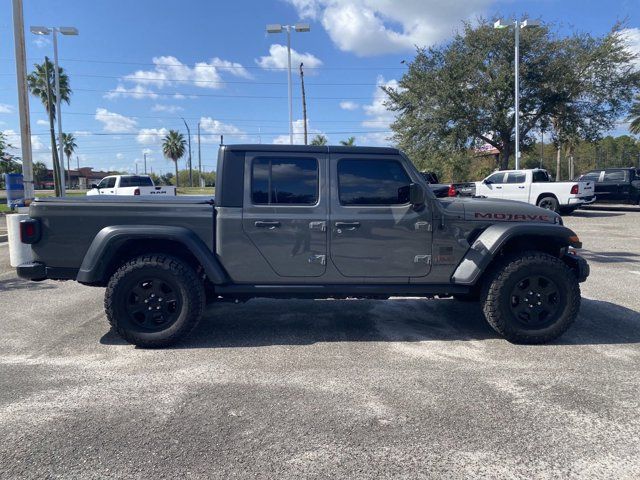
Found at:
(319, 140)
(68, 147)
(349, 142)
(634, 116)
(40, 83)
(173, 147)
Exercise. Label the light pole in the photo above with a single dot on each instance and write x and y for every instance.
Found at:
(64, 31)
(277, 28)
(189, 136)
(517, 24)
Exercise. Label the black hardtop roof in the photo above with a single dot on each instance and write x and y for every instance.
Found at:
(310, 149)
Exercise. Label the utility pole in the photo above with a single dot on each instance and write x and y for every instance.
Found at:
(190, 169)
(136, 167)
(145, 163)
(78, 160)
(23, 99)
(199, 158)
(304, 104)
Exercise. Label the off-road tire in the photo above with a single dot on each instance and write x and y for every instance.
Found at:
(549, 203)
(503, 278)
(175, 272)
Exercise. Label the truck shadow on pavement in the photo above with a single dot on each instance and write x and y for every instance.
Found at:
(594, 214)
(610, 257)
(263, 322)
(20, 284)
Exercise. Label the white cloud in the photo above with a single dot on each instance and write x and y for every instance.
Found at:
(212, 129)
(81, 133)
(298, 134)
(4, 108)
(138, 92)
(632, 37)
(378, 117)
(148, 136)
(158, 107)
(42, 123)
(376, 27)
(169, 71)
(114, 122)
(277, 58)
(119, 156)
(348, 105)
(41, 41)
(37, 145)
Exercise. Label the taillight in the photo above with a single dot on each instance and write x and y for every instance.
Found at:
(452, 192)
(136, 191)
(574, 189)
(29, 230)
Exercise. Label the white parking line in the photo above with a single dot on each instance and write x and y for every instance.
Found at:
(635, 272)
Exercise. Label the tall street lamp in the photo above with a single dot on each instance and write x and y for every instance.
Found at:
(517, 24)
(277, 28)
(39, 30)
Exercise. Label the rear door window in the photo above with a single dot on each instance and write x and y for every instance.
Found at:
(540, 176)
(516, 177)
(290, 181)
(372, 182)
(614, 176)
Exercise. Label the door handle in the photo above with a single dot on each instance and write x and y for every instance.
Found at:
(269, 225)
(521, 187)
(347, 226)
(498, 188)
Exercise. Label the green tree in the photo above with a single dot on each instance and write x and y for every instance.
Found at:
(319, 140)
(39, 172)
(349, 142)
(68, 147)
(460, 95)
(173, 147)
(634, 116)
(8, 161)
(40, 82)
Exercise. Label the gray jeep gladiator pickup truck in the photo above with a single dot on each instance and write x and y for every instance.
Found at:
(308, 222)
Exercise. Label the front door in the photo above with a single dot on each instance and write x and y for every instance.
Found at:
(107, 186)
(285, 211)
(491, 186)
(375, 231)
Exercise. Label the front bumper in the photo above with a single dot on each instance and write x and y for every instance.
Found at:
(578, 264)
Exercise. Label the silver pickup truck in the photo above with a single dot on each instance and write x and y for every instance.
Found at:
(308, 222)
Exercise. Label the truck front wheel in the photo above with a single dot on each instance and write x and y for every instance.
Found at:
(532, 297)
(154, 300)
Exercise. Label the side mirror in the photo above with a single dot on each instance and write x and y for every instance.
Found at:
(93, 185)
(487, 182)
(416, 194)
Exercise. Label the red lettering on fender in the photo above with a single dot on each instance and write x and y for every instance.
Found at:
(514, 217)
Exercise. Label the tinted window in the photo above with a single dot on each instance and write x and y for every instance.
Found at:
(497, 177)
(540, 176)
(108, 182)
(590, 177)
(372, 182)
(516, 177)
(291, 181)
(136, 181)
(615, 176)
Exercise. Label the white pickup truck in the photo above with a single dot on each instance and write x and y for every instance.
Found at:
(535, 186)
(129, 185)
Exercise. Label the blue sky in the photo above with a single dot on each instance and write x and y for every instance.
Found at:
(138, 66)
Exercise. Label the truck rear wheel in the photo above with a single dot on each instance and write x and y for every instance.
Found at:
(549, 203)
(531, 297)
(154, 300)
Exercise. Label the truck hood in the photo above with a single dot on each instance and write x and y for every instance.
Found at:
(497, 210)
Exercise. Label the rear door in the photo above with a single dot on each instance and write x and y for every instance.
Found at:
(285, 211)
(612, 186)
(375, 231)
(515, 187)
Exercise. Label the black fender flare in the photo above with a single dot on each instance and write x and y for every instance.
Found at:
(109, 239)
(490, 241)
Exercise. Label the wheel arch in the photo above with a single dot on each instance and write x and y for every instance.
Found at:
(500, 239)
(547, 194)
(115, 245)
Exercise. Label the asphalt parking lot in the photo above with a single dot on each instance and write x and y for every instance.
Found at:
(404, 388)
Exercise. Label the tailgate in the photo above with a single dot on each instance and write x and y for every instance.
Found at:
(586, 189)
(158, 190)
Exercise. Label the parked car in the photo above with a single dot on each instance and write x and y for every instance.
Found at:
(129, 185)
(535, 186)
(295, 221)
(440, 190)
(615, 185)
